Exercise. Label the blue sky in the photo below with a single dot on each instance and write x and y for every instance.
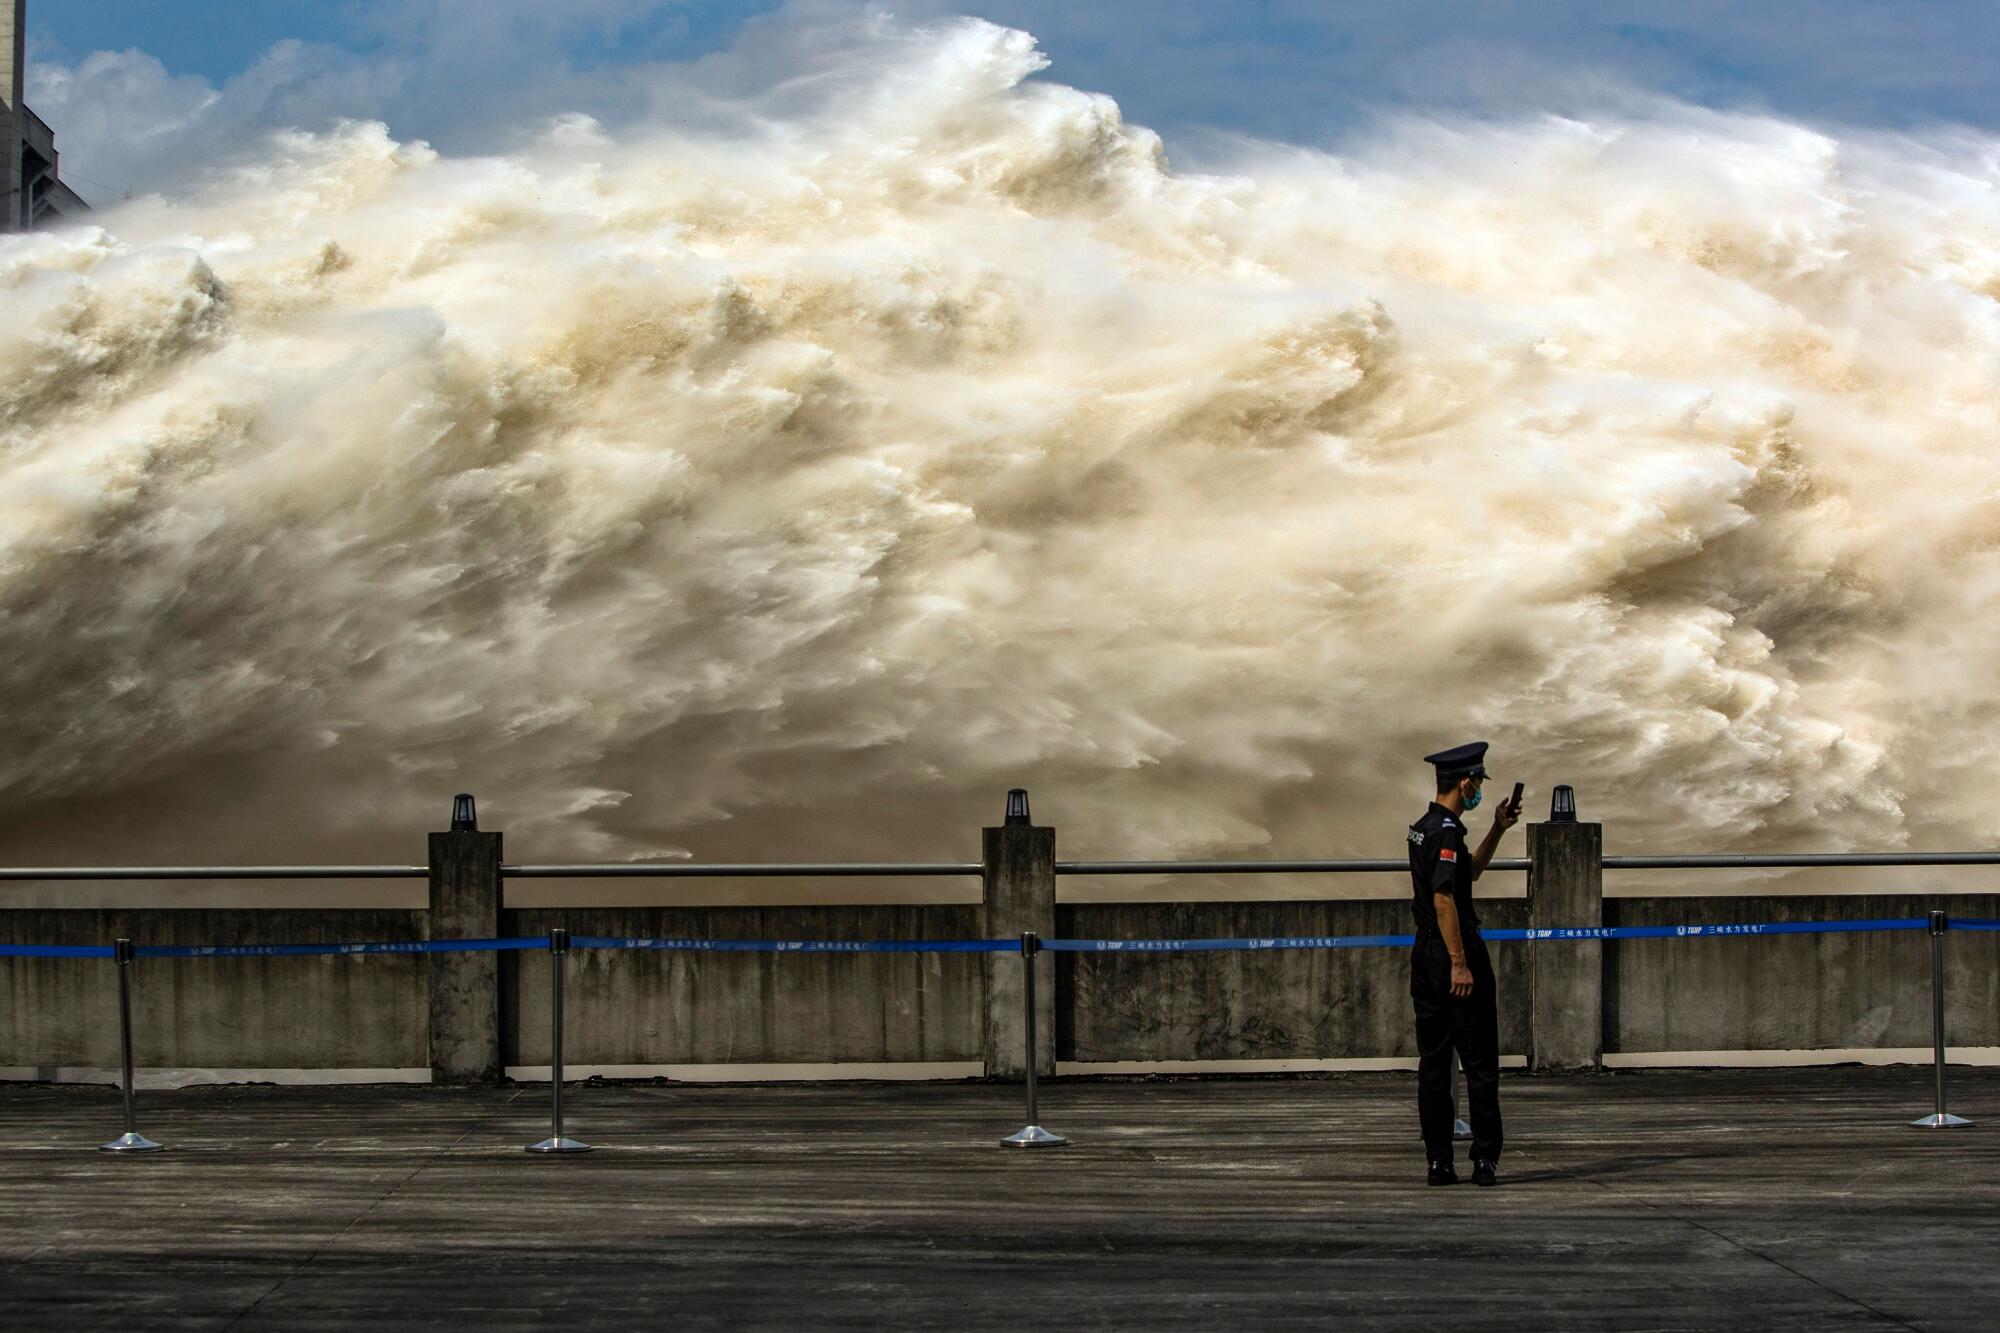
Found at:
(459, 72)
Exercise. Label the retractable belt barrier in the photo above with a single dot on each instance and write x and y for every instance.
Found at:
(311, 950)
(1514, 934)
(989, 945)
(1531, 935)
(268, 950)
(796, 946)
(559, 942)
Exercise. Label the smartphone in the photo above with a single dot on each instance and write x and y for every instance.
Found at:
(1515, 801)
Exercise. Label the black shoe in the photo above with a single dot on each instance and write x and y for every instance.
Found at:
(1443, 1173)
(1482, 1172)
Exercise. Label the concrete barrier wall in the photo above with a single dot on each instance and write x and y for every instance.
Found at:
(362, 1012)
(1796, 992)
(639, 1007)
(1286, 1004)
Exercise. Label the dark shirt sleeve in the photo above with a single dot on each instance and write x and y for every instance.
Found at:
(1448, 861)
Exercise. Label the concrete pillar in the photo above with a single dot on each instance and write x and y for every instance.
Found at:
(1565, 978)
(13, 77)
(1020, 880)
(465, 987)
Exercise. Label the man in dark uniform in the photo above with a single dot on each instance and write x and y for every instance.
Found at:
(1451, 977)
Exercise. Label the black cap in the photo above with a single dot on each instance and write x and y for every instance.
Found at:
(1463, 761)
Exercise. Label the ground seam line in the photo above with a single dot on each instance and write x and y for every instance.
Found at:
(357, 1219)
(1754, 1253)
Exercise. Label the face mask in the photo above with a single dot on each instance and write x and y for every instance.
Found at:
(1472, 801)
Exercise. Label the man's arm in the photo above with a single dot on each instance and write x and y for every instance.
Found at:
(1454, 944)
(1503, 819)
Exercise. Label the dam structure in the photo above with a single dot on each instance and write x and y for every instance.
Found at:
(35, 193)
(462, 989)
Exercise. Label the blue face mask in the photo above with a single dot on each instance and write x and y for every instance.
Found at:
(1472, 801)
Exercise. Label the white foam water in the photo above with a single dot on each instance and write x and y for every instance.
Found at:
(792, 487)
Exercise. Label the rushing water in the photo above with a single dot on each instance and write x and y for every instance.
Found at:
(792, 490)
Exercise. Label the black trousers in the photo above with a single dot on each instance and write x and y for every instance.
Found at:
(1471, 1027)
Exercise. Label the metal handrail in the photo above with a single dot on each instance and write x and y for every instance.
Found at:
(691, 870)
(698, 870)
(214, 872)
(1249, 867)
(1779, 859)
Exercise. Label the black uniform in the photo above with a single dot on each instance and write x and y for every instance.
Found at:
(1440, 863)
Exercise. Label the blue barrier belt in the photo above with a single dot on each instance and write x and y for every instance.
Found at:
(1696, 932)
(797, 946)
(308, 950)
(1973, 923)
(1512, 934)
(1530, 935)
(1210, 946)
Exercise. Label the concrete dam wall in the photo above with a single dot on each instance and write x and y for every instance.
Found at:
(1564, 1004)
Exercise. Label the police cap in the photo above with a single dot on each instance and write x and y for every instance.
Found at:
(1463, 761)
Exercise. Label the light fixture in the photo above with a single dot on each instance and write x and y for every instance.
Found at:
(463, 818)
(1562, 806)
(1017, 808)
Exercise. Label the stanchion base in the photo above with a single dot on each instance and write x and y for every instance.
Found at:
(558, 1145)
(129, 1143)
(1460, 1130)
(1034, 1136)
(1941, 1120)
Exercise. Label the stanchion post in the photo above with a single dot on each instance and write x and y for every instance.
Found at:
(1939, 1118)
(1033, 1136)
(556, 1142)
(131, 1140)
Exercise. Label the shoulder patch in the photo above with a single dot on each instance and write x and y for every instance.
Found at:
(1447, 854)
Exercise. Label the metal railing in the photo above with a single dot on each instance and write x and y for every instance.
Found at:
(1253, 867)
(1778, 860)
(212, 872)
(772, 870)
(808, 870)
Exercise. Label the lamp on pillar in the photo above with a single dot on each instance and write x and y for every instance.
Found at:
(464, 819)
(1017, 809)
(1562, 806)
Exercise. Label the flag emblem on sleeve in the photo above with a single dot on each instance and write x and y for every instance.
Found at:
(1447, 854)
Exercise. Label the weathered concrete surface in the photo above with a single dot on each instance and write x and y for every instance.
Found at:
(639, 1007)
(1796, 992)
(13, 74)
(1565, 981)
(1020, 895)
(295, 1013)
(465, 1021)
(1285, 1004)
(1771, 1200)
